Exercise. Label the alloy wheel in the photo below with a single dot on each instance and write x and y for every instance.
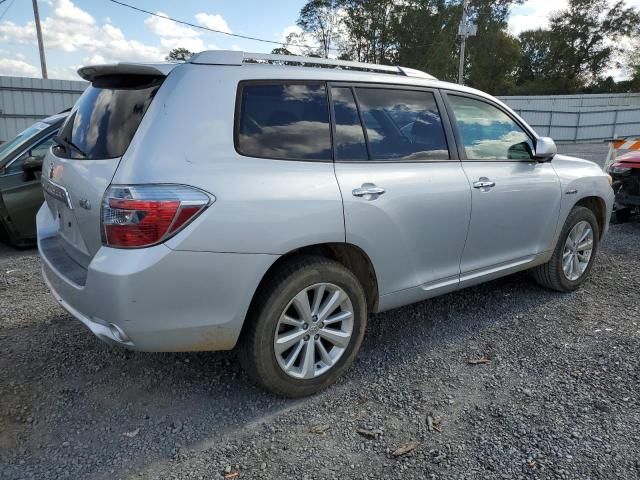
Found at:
(577, 250)
(313, 331)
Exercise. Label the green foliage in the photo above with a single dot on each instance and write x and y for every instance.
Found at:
(177, 55)
(578, 48)
(281, 51)
(575, 54)
(493, 57)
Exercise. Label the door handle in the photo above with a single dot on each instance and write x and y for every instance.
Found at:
(484, 184)
(368, 189)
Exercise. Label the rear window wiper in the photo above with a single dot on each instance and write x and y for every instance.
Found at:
(68, 144)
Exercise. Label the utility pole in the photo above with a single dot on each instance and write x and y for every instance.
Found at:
(465, 30)
(43, 63)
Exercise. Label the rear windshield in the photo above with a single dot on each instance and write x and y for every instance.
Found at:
(106, 116)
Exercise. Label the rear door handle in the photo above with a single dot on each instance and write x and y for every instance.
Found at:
(484, 184)
(368, 189)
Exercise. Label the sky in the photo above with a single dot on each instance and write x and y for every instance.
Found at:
(82, 32)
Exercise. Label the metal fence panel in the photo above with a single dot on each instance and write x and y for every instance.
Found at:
(573, 102)
(24, 101)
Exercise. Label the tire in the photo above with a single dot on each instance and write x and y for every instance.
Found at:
(257, 350)
(551, 274)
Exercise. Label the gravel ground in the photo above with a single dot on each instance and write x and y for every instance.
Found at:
(555, 394)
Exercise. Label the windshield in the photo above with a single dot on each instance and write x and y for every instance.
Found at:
(22, 138)
(106, 117)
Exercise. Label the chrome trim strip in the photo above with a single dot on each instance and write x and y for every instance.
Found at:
(56, 191)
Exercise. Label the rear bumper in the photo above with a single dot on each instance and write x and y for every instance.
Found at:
(154, 299)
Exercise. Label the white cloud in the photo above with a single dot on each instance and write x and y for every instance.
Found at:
(215, 22)
(18, 68)
(66, 10)
(301, 38)
(71, 29)
(191, 44)
(163, 27)
(534, 14)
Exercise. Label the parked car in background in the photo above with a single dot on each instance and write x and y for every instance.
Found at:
(240, 200)
(20, 189)
(626, 184)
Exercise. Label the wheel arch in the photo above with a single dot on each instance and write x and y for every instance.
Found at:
(599, 208)
(349, 255)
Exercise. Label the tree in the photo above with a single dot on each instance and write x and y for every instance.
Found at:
(177, 55)
(578, 49)
(586, 33)
(492, 53)
(320, 19)
(493, 71)
(368, 33)
(426, 34)
(281, 51)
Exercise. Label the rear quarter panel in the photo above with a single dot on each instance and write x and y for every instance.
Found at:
(261, 205)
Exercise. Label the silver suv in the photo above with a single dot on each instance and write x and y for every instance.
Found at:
(273, 203)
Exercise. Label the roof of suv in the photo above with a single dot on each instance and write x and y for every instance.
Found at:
(312, 68)
(262, 66)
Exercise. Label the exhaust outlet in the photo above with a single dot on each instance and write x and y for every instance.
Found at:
(118, 333)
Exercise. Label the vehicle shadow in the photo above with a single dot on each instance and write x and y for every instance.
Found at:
(68, 394)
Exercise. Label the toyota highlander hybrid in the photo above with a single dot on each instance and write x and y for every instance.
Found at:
(273, 203)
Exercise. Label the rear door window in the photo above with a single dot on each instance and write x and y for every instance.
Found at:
(285, 121)
(106, 117)
(403, 125)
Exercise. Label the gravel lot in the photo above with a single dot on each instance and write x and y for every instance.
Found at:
(556, 394)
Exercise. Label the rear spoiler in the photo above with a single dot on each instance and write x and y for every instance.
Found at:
(92, 72)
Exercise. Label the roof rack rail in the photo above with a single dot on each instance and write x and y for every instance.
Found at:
(233, 57)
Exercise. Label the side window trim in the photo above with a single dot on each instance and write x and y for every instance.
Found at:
(454, 155)
(462, 152)
(334, 124)
(280, 81)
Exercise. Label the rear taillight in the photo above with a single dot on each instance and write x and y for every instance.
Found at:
(135, 216)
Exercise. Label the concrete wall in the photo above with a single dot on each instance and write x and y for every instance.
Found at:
(24, 101)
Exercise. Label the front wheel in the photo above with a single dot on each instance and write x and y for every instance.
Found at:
(574, 253)
(305, 327)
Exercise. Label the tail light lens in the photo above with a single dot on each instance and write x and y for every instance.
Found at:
(135, 216)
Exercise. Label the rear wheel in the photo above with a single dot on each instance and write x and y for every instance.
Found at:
(574, 253)
(305, 328)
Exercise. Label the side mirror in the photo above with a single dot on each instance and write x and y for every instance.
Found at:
(32, 164)
(546, 149)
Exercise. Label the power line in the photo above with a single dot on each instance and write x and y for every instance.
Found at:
(6, 9)
(194, 25)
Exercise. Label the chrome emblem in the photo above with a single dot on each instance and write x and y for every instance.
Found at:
(84, 203)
